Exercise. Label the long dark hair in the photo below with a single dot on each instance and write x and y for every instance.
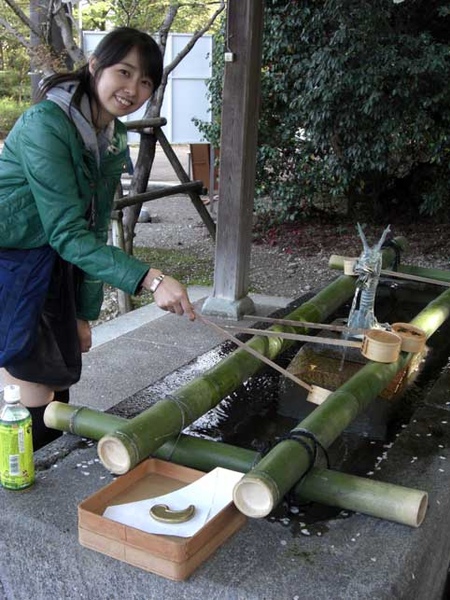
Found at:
(110, 51)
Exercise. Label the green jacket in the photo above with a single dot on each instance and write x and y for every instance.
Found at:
(53, 192)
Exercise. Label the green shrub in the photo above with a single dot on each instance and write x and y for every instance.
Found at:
(355, 108)
(10, 111)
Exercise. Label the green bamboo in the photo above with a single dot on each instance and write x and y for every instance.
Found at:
(139, 437)
(80, 420)
(396, 503)
(260, 490)
(377, 499)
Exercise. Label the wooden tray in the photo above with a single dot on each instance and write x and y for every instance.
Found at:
(170, 556)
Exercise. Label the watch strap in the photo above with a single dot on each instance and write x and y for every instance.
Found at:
(156, 283)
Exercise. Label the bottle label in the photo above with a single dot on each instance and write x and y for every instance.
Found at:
(16, 454)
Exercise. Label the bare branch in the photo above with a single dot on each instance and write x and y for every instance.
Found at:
(19, 37)
(22, 16)
(167, 24)
(62, 20)
(195, 36)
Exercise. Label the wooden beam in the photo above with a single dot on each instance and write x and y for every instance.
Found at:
(160, 192)
(241, 98)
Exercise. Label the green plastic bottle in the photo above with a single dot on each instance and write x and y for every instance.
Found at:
(16, 442)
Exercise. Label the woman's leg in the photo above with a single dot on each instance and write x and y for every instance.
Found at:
(36, 397)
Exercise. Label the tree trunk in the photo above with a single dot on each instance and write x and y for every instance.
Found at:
(143, 167)
(139, 182)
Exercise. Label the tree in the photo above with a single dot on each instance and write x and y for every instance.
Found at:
(355, 105)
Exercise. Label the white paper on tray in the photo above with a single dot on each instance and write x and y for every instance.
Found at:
(209, 494)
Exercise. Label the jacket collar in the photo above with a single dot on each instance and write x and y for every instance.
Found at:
(97, 143)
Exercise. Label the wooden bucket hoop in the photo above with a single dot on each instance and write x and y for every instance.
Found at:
(381, 346)
(413, 338)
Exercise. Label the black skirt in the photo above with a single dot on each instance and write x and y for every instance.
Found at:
(55, 359)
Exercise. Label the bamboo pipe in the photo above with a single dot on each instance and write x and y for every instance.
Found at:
(407, 506)
(395, 503)
(419, 274)
(121, 450)
(258, 492)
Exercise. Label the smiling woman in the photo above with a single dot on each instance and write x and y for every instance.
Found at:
(59, 170)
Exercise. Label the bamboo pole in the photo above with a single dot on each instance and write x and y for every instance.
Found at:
(262, 488)
(396, 503)
(124, 448)
(419, 274)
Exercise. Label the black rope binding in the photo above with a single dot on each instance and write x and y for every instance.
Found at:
(300, 436)
(187, 417)
(304, 438)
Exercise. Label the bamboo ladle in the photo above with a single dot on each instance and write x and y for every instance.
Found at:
(377, 345)
(316, 394)
(413, 338)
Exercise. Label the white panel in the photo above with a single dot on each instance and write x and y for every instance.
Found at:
(90, 40)
(189, 101)
(197, 62)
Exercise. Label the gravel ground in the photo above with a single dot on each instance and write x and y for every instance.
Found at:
(272, 271)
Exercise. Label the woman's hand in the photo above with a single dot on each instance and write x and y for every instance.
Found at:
(84, 335)
(170, 294)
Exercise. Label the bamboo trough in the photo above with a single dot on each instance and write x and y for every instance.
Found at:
(122, 449)
(262, 488)
(125, 443)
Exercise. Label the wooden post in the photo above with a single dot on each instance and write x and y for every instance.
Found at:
(238, 144)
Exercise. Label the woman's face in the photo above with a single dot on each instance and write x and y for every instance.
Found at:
(120, 89)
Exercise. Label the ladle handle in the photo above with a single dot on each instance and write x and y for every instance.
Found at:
(254, 352)
(296, 336)
(418, 278)
(306, 324)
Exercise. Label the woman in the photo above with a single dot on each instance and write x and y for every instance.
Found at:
(59, 169)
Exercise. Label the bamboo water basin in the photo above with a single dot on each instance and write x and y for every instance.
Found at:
(250, 416)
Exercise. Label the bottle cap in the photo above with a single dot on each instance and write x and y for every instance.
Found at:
(11, 393)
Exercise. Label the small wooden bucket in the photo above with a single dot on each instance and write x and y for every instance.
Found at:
(349, 266)
(413, 338)
(381, 346)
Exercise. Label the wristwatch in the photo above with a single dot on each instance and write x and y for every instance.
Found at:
(156, 282)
